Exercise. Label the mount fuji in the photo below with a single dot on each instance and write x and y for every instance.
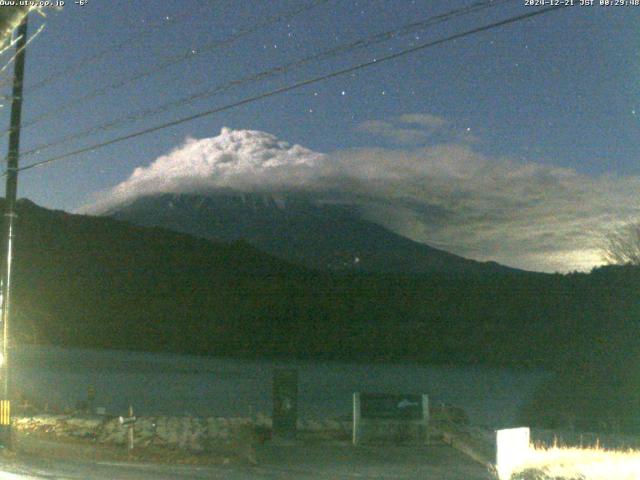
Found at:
(283, 199)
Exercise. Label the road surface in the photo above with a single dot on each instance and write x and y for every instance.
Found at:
(304, 462)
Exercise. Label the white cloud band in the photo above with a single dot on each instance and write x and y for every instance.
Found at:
(526, 215)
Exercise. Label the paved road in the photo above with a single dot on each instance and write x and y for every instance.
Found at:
(320, 462)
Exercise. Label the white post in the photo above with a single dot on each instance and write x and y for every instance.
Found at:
(131, 428)
(356, 418)
(425, 417)
(512, 449)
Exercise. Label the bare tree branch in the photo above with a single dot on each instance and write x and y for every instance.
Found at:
(622, 245)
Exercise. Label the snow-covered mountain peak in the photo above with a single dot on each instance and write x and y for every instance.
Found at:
(242, 160)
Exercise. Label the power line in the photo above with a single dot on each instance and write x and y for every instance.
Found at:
(358, 44)
(19, 51)
(89, 59)
(171, 61)
(8, 46)
(292, 87)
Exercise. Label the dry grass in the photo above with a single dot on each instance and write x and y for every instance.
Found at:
(565, 463)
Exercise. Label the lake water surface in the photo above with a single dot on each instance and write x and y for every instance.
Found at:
(181, 384)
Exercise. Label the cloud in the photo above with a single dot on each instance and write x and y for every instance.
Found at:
(239, 159)
(449, 195)
(422, 119)
(523, 214)
(392, 132)
(413, 129)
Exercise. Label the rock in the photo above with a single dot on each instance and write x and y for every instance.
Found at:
(112, 433)
(84, 426)
(263, 420)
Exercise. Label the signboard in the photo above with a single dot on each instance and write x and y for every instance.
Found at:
(391, 406)
(285, 402)
(386, 410)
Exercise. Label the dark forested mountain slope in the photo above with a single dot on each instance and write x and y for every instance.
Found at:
(98, 282)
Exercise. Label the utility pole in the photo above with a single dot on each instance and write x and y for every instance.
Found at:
(9, 217)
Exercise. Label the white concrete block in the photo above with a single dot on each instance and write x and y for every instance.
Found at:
(512, 450)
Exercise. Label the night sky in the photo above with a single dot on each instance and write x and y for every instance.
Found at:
(518, 145)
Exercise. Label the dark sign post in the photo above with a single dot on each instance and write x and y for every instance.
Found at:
(390, 408)
(285, 403)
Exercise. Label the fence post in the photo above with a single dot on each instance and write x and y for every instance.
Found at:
(131, 428)
(425, 418)
(356, 418)
(285, 403)
(129, 423)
